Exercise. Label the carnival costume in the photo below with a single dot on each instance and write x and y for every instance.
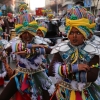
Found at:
(24, 15)
(30, 78)
(72, 83)
(3, 71)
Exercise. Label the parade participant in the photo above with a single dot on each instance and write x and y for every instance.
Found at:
(5, 26)
(24, 15)
(4, 79)
(11, 20)
(30, 80)
(78, 69)
(40, 35)
(39, 39)
(52, 31)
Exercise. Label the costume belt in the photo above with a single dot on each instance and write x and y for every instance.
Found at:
(29, 71)
(66, 85)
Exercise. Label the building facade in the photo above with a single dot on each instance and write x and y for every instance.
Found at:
(92, 5)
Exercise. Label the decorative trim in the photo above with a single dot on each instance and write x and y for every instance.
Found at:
(29, 71)
(66, 85)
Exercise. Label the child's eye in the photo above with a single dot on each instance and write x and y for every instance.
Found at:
(78, 33)
(71, 33)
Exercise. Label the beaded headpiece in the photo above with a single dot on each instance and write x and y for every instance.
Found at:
(23, 6)
(81, 19)
(29, 27)
(43, 28)
(48, 12)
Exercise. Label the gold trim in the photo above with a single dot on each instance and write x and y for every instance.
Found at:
(29, 71)
(66, 85)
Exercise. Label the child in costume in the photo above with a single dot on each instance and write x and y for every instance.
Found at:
(78, 71)
(30, 80)
(39, 39)
(3, 73)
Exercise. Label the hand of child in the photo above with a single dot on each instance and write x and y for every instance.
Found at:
(84, 67)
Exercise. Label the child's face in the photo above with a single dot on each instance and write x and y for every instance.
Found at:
(39, 33)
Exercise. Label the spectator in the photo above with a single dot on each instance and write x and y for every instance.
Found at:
(97, 21)
(52, 31)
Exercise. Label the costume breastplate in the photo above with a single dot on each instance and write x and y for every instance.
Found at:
(76, 55)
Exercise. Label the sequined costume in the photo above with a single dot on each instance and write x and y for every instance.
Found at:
(3, 73)
(30, 78)
(72, 83)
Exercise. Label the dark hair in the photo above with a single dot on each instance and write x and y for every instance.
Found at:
(79, 2)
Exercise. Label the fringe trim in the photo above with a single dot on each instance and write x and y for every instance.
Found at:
(28, 64)
(56, 68)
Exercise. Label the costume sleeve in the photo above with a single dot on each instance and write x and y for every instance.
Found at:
(56, 58)
(10, 72)
(45, 50)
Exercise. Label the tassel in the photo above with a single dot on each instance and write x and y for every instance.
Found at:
(83, 96)
(78, 96)
(25, 85)
(72, 95)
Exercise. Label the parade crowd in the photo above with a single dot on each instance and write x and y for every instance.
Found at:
(29, 42)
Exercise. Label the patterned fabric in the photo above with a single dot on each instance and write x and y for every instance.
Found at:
(22, 6)
(29, 27)
(81, 19)
(43, 27)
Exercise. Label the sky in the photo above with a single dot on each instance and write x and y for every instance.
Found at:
(36, 3)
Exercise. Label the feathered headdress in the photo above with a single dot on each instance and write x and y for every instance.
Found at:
(43, 28)
(23, 6)
(29, 27)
